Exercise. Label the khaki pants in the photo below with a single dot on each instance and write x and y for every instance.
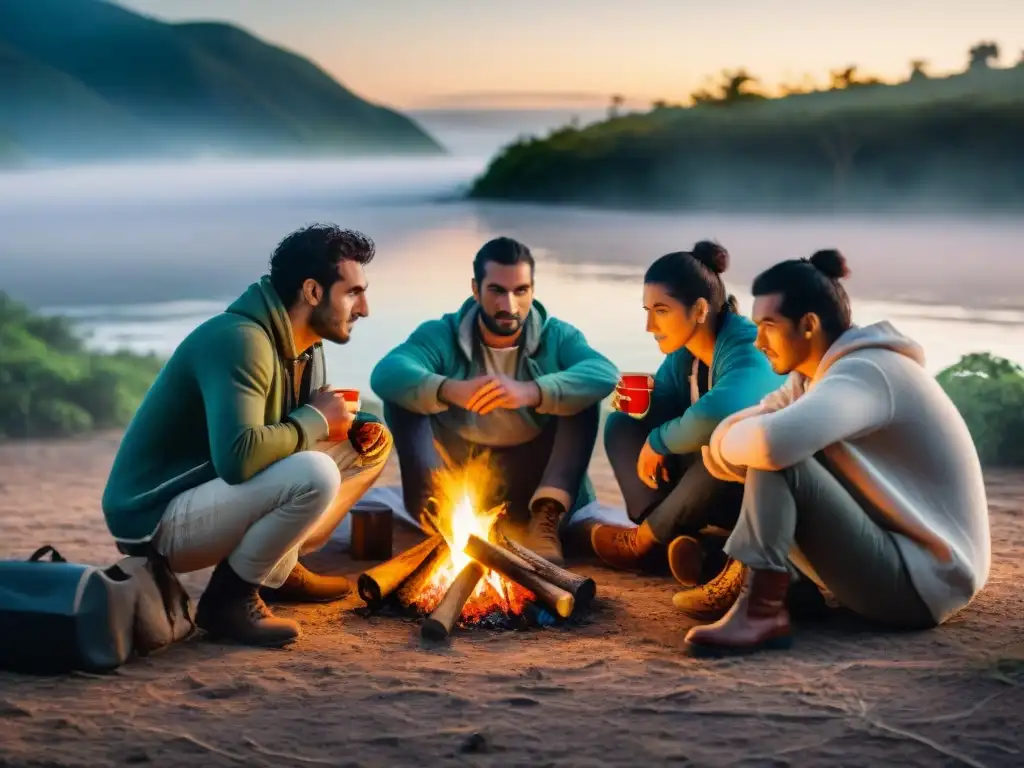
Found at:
(262, 525)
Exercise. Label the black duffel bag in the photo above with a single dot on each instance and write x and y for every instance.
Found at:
(57, 616)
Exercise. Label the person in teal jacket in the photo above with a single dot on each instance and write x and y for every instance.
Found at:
(499, 374)
(711, 371)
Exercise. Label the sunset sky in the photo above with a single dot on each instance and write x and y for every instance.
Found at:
(415, 53)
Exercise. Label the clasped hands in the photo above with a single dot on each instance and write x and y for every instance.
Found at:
(484, 394)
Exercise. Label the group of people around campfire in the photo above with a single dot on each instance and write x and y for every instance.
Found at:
(790, 462)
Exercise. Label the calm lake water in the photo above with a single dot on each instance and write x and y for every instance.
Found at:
(140, 255)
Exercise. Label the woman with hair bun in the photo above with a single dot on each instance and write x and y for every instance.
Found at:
(859, 473)
(711, 370)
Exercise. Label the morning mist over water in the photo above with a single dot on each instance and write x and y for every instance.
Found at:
(139, 254)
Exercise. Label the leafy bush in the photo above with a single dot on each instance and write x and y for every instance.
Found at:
(989, 393)
(51, 385)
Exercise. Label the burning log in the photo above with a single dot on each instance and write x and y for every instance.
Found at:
(380, 581)
(515, 568)
(420, 578)
(438, 625)
(582, 588)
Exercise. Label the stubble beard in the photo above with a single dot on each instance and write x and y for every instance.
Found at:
(326, 324)
(491, 323)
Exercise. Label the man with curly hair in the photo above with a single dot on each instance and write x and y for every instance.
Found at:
(240, 456)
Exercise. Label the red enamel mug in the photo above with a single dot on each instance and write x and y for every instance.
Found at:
(351, 396)
(633, 394)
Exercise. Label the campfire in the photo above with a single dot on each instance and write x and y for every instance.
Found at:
(468, 572)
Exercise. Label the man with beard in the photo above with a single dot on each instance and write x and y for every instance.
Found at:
(500, 375)
(240, 456)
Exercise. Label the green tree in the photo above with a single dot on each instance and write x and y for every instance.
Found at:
(615, 107)
(736, 85)
(982, 55)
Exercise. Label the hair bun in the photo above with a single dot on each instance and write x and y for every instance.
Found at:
(830, 263)
(711, 255)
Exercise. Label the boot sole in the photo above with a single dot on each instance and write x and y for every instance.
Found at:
(701, 651)
(272, 600)
(228, 640)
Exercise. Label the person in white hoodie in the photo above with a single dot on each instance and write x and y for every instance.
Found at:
(859, 472)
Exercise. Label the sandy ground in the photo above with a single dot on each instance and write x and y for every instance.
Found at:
(366, 692)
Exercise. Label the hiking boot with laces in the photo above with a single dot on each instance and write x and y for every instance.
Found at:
(757, 620)
(542, 533)
(625, 548)
(232, 609)
(304, 586)
(711, 601)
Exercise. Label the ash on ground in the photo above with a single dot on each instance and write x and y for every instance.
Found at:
(534, 615)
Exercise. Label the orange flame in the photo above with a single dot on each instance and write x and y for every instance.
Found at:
(460, 495)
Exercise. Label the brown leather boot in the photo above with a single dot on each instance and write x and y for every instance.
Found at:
(758, 620)
(304, 586)
(625, 548)
(711, 601)
(542, 534)
(232, 609)
(686, 560)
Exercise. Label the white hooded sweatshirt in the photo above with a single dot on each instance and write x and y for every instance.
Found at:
(892, 433)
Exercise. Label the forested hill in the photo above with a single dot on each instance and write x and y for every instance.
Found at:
(87, 79)
(928, 142)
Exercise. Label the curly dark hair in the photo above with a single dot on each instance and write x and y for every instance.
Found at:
(314, 252)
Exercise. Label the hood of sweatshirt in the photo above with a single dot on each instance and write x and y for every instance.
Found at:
(261, 304)
(881, 335)
(533, 327)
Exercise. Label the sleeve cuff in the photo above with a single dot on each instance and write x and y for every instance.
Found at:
(312, 425)
(327, 424)
(430, 391)
(657, 442)
(548, 394)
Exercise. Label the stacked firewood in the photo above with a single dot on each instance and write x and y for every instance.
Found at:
(405, 575)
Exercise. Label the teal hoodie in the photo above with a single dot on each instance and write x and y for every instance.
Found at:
(740, 377)
(571, 374)
(224, 405)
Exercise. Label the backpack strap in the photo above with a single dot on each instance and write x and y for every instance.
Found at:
(168, 583)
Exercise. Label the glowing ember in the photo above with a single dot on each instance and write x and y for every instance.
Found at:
(461, 494)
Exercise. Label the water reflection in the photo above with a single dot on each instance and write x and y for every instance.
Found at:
(604, 302)
(141, 255)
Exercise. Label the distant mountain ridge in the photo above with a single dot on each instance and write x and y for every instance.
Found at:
(87, 79)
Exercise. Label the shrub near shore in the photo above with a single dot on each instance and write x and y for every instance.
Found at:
(52, 385)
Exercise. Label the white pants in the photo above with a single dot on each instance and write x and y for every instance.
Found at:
(262, 525)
